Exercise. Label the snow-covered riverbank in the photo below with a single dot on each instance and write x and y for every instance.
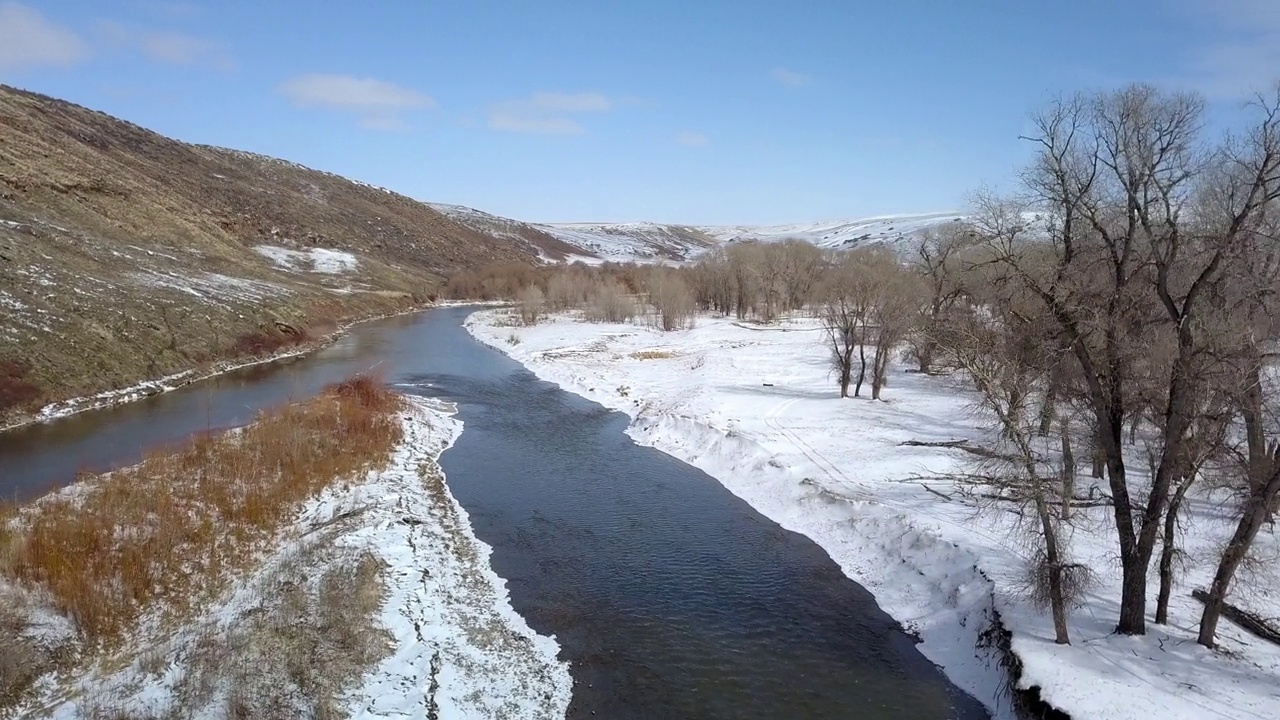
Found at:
(448, 643)
(757, 409)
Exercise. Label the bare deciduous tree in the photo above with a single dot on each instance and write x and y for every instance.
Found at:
(530, 303)
(672, 300)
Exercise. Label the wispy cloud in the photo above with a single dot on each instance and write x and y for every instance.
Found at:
(548, 113)
(173, 48)
(1238, 49)
(378, 104)
(691, 139)
(29, 40)
(790, 78)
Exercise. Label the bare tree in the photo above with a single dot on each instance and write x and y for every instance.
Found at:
(1006, 365)
(608, 301)
(939, 261)
(845, 313)
(894, 311)
(671, 299)
(530, 303)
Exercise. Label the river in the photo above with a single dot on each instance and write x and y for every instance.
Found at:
(670, 597)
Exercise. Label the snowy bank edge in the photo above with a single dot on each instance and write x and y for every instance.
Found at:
(433, 423)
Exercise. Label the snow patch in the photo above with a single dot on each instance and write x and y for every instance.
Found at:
(319, 260)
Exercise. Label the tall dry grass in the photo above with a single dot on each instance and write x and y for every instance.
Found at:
(169, 529)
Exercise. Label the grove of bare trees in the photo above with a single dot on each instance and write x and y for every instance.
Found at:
(1145, 255)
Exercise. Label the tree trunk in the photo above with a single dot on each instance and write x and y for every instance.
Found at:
(1134, 563)
(924, 355)
(862, 369)
(1053, 558)
(879, 366)
(1251, 520)
(1047, 410)
(1169, 550)
(1263, 474)
(1098, 457)
(1068, 474)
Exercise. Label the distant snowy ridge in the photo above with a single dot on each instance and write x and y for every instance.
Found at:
(648, 242)
(637, 241)
(892, 230)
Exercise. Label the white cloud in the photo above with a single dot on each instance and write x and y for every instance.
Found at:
(173, 48)
(28, 40)
(378, 103)
(182, 49)
(691, 139)
(347, 92)
(547, 113)
(790, 78)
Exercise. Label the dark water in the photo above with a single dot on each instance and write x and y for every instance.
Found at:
(670, 597)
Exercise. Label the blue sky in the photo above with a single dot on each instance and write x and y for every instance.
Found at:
(710, 112)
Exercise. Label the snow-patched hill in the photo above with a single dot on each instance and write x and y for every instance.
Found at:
(622, 242)
(639, 241)
(657, 242)
(893, 230)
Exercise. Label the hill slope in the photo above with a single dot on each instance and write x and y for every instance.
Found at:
(617, 242)
(125, 255)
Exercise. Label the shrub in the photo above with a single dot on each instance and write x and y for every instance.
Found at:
(15, 390)
(530, 303)
(609, 302)
(170, 527)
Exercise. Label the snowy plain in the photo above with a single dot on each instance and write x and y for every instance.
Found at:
(757, 408)
(456, 649)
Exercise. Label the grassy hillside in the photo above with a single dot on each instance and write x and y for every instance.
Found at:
(125, 255)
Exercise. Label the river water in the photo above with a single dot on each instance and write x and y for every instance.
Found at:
(670, 597)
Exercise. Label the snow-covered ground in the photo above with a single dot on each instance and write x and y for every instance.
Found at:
(758, 409)
(455, 648)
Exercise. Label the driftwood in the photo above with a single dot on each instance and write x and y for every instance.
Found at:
(959, 445)
(939, 493)
(1262, 627)
(940, 443)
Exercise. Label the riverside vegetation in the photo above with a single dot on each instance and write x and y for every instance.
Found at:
(89, 571)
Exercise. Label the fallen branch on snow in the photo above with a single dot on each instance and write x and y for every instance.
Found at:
(1255, 624)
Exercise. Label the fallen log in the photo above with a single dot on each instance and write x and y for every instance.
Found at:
(1255, 624)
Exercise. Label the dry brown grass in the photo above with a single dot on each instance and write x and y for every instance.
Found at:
(312, 633)
(170, 529)
(653, 354)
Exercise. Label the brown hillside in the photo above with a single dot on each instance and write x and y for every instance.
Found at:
(125, 255)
